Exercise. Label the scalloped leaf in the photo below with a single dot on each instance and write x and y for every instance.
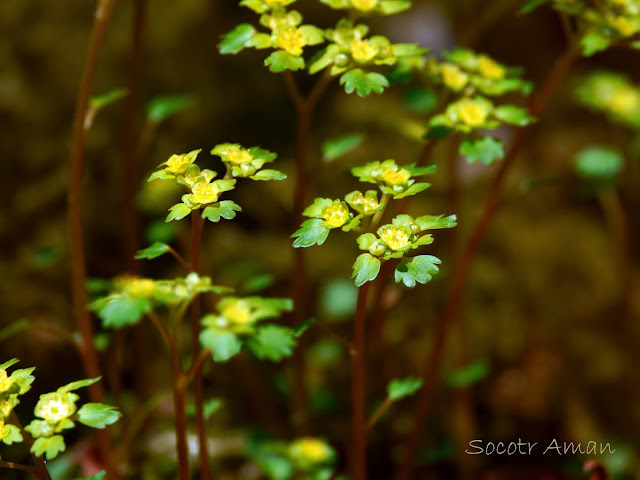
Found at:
(50, 446)
(178, 212)
(223, 345)
(400, 388)
(237, 39)
(123, 311)
(279, 61)
(154, 250)
(430, 222)
(365, 269)
(311, 232)
(98, 415)
(225, 209)
(485, 150)
(363, 82)
(268, 174)
(272, 342)
(416, 270)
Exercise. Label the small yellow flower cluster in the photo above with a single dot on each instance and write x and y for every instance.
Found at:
(395, 239)
(335, 213)
(308, 453)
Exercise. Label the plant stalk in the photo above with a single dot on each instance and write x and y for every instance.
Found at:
(463, 265)
(75, 224)
(358, 384)
(40, 470)
(197, 223)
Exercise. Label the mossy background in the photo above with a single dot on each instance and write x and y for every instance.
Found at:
(543, 305)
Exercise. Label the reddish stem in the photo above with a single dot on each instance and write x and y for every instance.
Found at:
(359, 428)
(463, 265)
(76, 230)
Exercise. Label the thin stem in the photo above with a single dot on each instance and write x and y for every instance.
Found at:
(377, 415)
(76, 229)
(131, 158)
(197, 224)
(197, 365)
(40, 470)
(19, 466)
(179, 401)
(618, 222)
(304, 108)
(180, 260)
(463, 265)
(358, 385)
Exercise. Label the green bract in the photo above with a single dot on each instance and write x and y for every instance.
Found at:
(132, 297)
(613, 94)
(393, 179)
(385, 7)
(236, 324)
(246, 162)
(465, 70)
(602, 23)
(288, 38)
(469, 114)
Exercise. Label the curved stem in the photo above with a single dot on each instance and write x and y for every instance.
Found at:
(463, 265)
(305, 108)
(377, 415)
(179, 403)
(76, 229)
(358, 385)
(19, 466)
(197, 223)
(40, 470)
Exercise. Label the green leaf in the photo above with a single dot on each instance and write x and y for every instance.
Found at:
(178, 212)
(412, 190)
(311, 232)
(102, 101)
(513, 115)
(50, 447)
(418, 269)
(531, 5)
(486, 150)
(268, 174)
(237, 39)
(363, 82)
(437, 131)
(123, 311)
(23, 379)
(365, 269)
(594, 42)
(420, 100)
(223, 345)
(225, 209)
(303, 327)
(337, 147)
(11, 434)
(98, 415)
(419, 171)
(279, 61)
(597, 163)
(430, 222)
(468, 375)
(389, 7)
(272, 342)
(399, 389)
(155, 250)
(161, 108)
(98, 476)
(9, 363)
(13, 328)
(69, 387)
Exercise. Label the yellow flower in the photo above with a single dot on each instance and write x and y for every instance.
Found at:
(5, 407)
(311, 450)
(472, 113)
(177, 164)
(54, 407)
(623, 25)
(624, 101)
(491, 69)
(364, 5)
(277, 3)
(237, 155)
(396, 177)
(453, 77)
(5, 381)
(205, 193)
(237, 312)
(336, 215)
(291, 40)
(363, 50)
(397, 238)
